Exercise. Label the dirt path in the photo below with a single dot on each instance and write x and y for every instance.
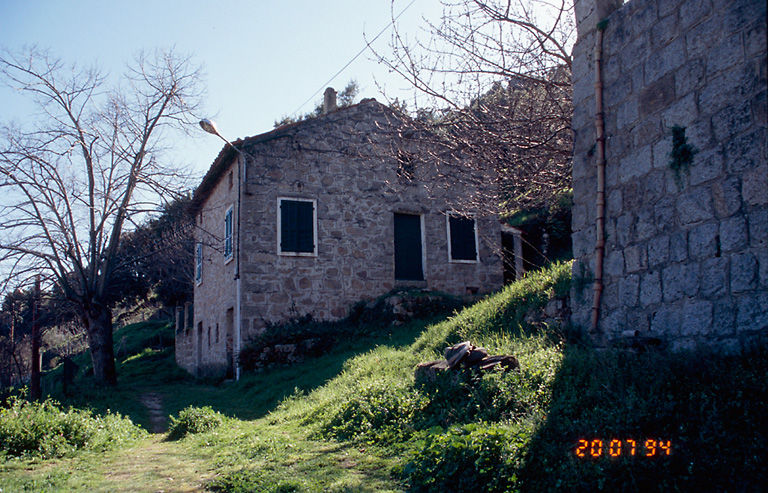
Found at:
(158, 421)
(154, 465)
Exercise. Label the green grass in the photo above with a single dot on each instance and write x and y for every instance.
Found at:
(354, 420)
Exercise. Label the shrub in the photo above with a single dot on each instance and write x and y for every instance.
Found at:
(376, 411)
(43, 429)
(238, 481)
(246, 481)
(193, 420)
(466, 458)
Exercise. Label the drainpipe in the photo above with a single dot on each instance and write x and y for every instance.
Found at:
(600, 215)
(241, 166)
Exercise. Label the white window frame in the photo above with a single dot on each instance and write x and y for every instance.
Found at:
(448, 215)
(423, 221)
(280, 232)
(229, 237)
(199, 263)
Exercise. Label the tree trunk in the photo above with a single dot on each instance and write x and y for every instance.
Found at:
(35, 390)
(98, 323)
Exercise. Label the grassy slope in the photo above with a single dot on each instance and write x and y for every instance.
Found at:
(354, 421)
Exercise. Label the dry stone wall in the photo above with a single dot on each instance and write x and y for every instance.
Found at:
(686, 258)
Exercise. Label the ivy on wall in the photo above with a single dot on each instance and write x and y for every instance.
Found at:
(681, 155)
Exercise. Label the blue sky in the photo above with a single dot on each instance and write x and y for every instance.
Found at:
(262, 59)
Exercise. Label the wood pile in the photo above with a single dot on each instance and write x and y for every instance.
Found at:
(464, 356)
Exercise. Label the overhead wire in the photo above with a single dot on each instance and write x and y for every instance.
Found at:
(367, 44)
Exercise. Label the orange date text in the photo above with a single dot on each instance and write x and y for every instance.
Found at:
(627, 447)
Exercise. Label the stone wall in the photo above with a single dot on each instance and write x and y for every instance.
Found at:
(202, 349)
(344, 161)
(686, 258)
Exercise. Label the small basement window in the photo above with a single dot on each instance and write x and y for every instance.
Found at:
(462, 238)
(297, 227)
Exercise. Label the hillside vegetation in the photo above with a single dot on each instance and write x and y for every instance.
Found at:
(570, 419)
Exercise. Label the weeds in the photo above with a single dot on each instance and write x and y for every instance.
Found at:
(45, 430)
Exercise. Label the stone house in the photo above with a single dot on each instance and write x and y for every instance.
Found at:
(686, 240)
(315, 216)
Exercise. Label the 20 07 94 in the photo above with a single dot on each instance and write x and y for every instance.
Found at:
(628, 447)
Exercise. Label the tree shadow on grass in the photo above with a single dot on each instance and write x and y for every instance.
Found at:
(710, 410)
(252, 397)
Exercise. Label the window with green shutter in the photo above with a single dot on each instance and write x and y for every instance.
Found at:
(462, 238)
(297, 227)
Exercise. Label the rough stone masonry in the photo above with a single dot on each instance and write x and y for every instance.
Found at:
(342, 168)
(686, 257)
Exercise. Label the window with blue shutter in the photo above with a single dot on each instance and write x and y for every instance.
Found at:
(228, 233)
(199, 262)
(297, 227)
(462, 238)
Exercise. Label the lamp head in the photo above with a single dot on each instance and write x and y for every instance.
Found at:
(209, 126)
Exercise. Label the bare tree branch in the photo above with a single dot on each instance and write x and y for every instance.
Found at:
(492, 90)
(92, 161)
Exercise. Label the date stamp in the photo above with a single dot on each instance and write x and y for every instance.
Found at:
(627, 447)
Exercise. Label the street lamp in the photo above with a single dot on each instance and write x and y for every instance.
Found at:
(210, 127)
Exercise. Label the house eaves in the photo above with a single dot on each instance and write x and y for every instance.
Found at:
(227, 154)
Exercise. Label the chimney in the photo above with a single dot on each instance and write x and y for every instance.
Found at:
(329, 100)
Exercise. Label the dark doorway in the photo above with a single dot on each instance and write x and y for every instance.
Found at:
(508, 249)
(199, 367)
(229, 338)
(408, 265)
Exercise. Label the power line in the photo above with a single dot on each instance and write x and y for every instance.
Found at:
(354, 57)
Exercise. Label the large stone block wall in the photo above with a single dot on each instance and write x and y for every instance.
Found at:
(686, 258)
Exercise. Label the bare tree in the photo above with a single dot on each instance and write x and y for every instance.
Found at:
(493, 90)
(71, 184)
(158, 256)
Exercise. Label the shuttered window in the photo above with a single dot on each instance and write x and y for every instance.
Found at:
(297, 227)
(228, 233)
(199, 263)
(462, 239)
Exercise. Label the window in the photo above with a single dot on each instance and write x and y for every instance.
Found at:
(199, 263)
(228, 234)
(297, 232)
(462, 238)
